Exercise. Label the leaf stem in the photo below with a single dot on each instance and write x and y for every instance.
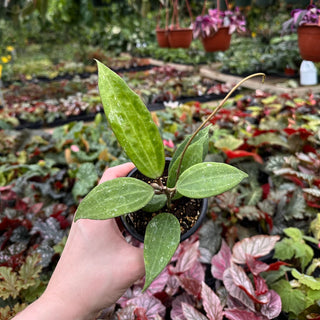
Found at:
(214, 112)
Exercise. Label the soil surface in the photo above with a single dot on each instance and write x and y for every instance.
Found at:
(185, 209)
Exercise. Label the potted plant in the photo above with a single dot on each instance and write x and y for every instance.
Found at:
(187, 175)
(215, 28)
(179, 37)
(162, 33)
(307, 23)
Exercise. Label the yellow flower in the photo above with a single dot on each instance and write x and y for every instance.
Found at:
(10, 48)
(0, 70)
(253, 34)
(5, 59)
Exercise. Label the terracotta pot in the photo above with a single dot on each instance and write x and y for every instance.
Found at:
(201, 215)
(180, 38)
(220, 41)
(309, 42)
(162, 38)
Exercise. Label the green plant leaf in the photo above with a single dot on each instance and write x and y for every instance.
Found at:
(202, 133)
(114, 198)
(157, 202)
(209, 179)
(309, 281)
(293, 300)
(86, 179)
(293, 233)
(228, 142)
(131, 123)
(192, 156)
(284, 250)
(160, 243)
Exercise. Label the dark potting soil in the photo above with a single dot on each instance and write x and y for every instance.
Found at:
(185, 209)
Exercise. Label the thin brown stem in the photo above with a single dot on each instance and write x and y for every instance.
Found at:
(214, 112)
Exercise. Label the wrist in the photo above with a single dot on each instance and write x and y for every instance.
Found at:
(49, 307)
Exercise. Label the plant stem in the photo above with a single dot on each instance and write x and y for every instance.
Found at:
(214, 112)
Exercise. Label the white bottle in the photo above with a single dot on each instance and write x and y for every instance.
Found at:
(308, 73)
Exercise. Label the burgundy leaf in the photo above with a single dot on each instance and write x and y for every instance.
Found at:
(256, 246)
(192, 286)
(273, 308)
(211, 303)
(192, 313)
(221, 261)
(152, 305)
(256, 266)
(261, 286)
(235, 291)
(140, 314)
(237, 314)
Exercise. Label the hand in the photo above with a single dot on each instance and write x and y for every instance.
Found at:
(95, 269)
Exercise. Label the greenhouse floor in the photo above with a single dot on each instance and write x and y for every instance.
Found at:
(272, 84)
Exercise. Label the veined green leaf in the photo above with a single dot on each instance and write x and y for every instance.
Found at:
(160, 243)
(195, 153)
(209, 179)
(114, 198)
(131, 123)
(157, 202)
(309, 281)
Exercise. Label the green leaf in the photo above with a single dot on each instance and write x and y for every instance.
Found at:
(192, 156)
(229, 142)
(157, 202)
(202, 133)
(29, 271)
(160, 243)
(309, 281)
(114, 198)
(293, 233)
(86, 179)
(293, 300)
(10, 284)
(131, 123)
(268, 139)
(284, 250)
(209, 179)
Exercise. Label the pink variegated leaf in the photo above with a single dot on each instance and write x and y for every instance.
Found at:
(192, 286)
(126, 313)
(176, 312)
(221, 261)
(237, 314)
(128, 295)
(256, 246)
(211, 303)
(173, 285)
(235, 291)
(151, 304)
(273, 308)
(187, 259)
(196, 272)
(261, 286)
(256, 266)
(159, 283)
(192, 313)
(242, 281)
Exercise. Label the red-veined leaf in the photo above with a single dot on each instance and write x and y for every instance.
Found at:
(237, 314)
(256, 246)
(221, 261)
(273, 308)
(192, 313)
(211, 303)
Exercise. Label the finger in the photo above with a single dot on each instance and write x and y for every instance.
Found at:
(115, 172)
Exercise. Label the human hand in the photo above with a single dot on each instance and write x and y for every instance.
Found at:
(95, 268)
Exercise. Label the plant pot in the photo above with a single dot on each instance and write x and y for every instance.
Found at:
(308, 42)
(162, 38)
(243, 3)
(220, 41)
(145, 217)
(180, 38)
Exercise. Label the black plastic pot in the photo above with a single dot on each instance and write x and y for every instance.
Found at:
(132, 231)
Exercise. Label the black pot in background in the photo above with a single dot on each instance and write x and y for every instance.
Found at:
(131, 230)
